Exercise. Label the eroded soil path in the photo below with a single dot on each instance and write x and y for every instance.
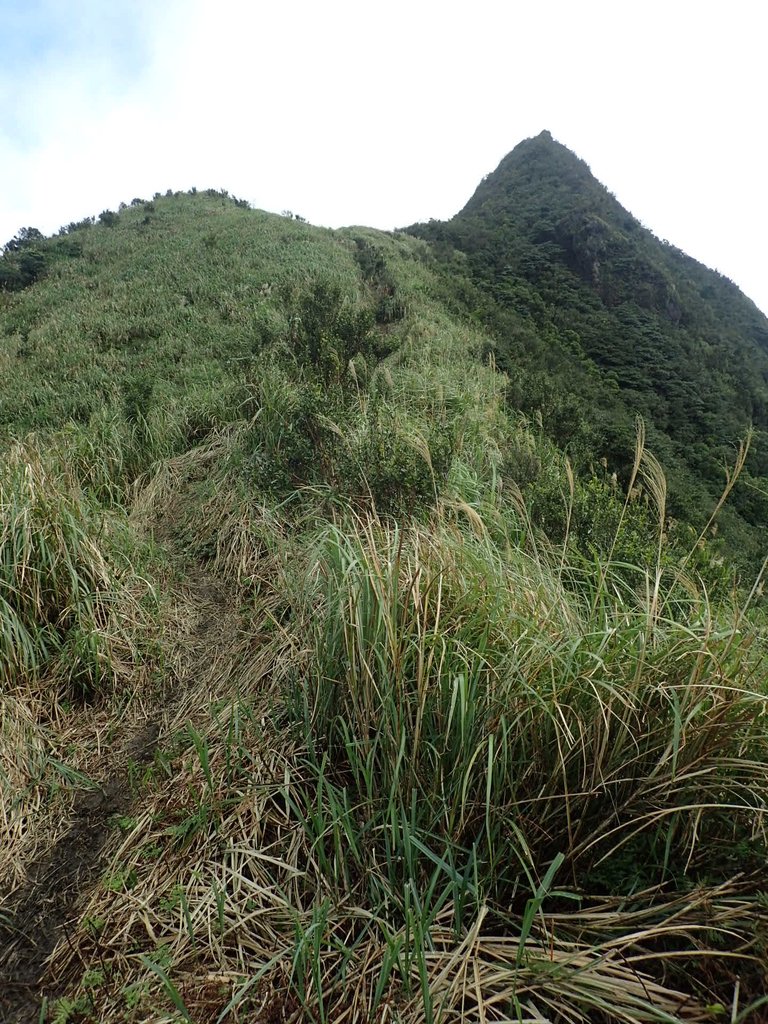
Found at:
(39, 915)
(36, 916)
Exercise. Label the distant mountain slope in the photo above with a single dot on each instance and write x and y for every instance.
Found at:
(572, 284)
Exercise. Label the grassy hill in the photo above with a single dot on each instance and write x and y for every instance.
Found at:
(332, 689)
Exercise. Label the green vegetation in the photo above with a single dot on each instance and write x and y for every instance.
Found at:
(597, 322)
(453, 724)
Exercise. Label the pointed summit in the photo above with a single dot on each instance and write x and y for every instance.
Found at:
(534, 164)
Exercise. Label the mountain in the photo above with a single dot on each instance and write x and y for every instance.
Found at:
(597, 322)
(355, 662)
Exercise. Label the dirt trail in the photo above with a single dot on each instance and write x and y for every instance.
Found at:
(38, 916)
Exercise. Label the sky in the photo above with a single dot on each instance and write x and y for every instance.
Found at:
(349, 112)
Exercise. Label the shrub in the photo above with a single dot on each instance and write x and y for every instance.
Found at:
(108, 218)
(400, 465)
(23, 260)
(328, 331)
(278, 451)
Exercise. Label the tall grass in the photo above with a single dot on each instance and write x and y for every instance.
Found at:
(77, 628)
(446, 780)
(485, 733)
(521, 719)
(68, 597)
(426, 764)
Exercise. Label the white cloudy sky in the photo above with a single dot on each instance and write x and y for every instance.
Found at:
(350, 112)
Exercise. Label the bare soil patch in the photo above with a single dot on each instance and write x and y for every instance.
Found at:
(38, 916)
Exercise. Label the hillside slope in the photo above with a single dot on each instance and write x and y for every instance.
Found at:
(331, 689)
(602, 322)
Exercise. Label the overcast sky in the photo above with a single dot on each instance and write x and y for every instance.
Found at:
(385, 114)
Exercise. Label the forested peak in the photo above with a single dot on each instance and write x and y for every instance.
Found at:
(597, 322)
(536, 163)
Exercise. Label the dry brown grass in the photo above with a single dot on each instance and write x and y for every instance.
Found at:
(262, 868)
